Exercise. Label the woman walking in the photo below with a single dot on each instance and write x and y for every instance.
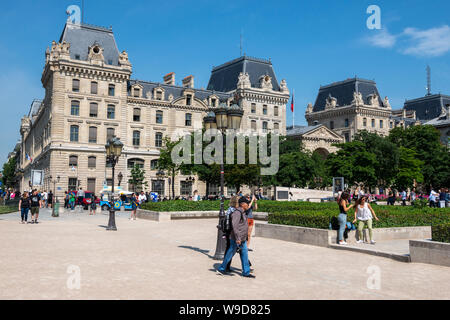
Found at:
(93, 206)
(24, 206)
(342, 217)
(364, 214)
(72, 201)
(134, 206)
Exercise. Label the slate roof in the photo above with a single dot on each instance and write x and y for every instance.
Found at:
(343, 92)
(83, 36)
(428, 107)
(224, 78)
(176, 91)
(300, 130)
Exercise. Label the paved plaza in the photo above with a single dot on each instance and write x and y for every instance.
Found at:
(173, 260)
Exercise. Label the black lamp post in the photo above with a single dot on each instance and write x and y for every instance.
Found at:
(55, 198)
(161, 175)
(226, 118)
(113, 151)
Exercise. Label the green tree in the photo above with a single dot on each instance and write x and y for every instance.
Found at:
(165, 161)
(409, 169)
(9, 173)
(137, 178)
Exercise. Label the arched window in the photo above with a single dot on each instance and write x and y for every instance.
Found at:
(74, 133)
(188, 120)
(136, 114)
(92, 134)
(158, 139)
(111, 90)
(159, 116)
(73, 161)
(93, 110)
(136, 138)
(76, 85)
(373, 123)
(94, 87)
(109, 133)
(111, 111)
(253, 125)
(75, 108)
(92, 162)
(135, 161)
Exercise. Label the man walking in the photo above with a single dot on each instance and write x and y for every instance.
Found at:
(238, 239)
(403, 198)
(36, 203)
(80, 195)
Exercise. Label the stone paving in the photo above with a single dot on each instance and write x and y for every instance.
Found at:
(172, 260)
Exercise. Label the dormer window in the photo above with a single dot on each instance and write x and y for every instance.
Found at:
(188, 99)
(213, 102)
(158, 95)
(136, 92)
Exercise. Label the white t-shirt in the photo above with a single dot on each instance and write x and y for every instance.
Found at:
(142, 198)
(364, 213)
(433, 195)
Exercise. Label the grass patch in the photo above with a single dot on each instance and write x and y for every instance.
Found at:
(8, 209)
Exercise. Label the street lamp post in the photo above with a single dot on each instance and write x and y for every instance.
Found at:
(113, 151)
(55, 198)
(223, 118)
(161, 175)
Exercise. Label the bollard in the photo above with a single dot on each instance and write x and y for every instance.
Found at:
(55, 212)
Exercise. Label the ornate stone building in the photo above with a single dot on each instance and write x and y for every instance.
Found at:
(90, 96)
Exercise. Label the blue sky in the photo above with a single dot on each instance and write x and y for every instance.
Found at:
(311, 43)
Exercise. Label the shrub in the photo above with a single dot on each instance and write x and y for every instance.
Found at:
(8, 209)
(183, 205)
(441, 232)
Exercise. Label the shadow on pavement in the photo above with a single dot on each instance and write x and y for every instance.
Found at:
(205, 252)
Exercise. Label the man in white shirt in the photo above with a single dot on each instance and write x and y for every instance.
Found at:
(432, 198)
(142, 198)
(45, 198)
(403, 198)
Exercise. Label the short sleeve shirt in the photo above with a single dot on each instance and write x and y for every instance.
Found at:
(35, 200)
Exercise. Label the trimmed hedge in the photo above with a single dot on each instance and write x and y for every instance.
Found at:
(441, 232)
(183, 205)
(8, 209)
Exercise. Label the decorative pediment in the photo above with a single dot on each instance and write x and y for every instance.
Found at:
(331, 102)
(265, 82)
(322, 132)
(243, 81)
(96, 54)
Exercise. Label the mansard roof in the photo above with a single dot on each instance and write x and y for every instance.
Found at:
(428, 107)
(176, 91)
(224, 78)
(300, 130)
(343, 92)
(83, 36)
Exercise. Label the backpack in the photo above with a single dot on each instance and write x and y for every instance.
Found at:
(226, 225)
(334, 223)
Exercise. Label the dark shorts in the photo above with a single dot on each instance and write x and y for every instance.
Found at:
(34, 210)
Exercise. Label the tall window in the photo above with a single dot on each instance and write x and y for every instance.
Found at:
(92, 134)
(158, 139)
(73, 182)
(111, 111)
(158, 95)
(159, 116)
(135, 162)
(381, 123)
(136, 138)
(188, 120)
(275, 111)
(136, 114)
(158, 186)
(74, 133)
(331, 125)
(346, 123)
(188, 99)
(391, 125)
(276, 126)
(75, 108)
(91, 184)
(253, 125)
(373, 123)
(136, 92)
(111, 90)
(93, 110)
(76, 85)
(364, 122)
(92, 162)
(347, 137)
(253, 107)
(154, 164)
(73, 161)
(186, 188)
(94, 87)
(264, 126)
(265, 109)
(109, 133)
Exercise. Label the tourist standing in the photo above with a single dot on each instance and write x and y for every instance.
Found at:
(364, 214)
(432, 198)
(66, 200)
(80, 195)
(403, 198)
(342, 217)
(36, 203)
(72, 201)
(196, 196)
(50, 198)
(93, 206)
(45, 199)
(442, 197)
(134, 206)
(24, 206)
(142, 198)
(412, 196)
(238, 239)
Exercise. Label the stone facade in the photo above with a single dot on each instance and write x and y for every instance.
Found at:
(90, 96)
(317, 138)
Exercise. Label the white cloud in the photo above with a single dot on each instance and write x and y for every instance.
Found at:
(431, 42)
(382, 39)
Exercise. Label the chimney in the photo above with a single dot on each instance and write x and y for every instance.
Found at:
(448, 112)
(169, 78)
(188, 82)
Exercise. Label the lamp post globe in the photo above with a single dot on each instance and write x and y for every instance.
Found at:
(113, 149)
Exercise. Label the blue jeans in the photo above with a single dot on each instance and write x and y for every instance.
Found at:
(24, 213)
(342, 218)
(231, 252)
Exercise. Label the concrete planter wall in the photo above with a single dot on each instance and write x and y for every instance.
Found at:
(431, 252)
(324, 238)
(167, 216)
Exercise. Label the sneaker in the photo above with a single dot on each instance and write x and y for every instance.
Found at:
(32, 221)
(250, 249)
(220, 273)
(359, 241)
(249, 276)
(36, 222)
(372, 242)
(342, 242)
